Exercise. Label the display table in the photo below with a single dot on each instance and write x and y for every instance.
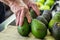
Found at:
(11, 34)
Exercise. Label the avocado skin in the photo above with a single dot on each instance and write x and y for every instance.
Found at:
(39, 30)
(56, 31)
(33, 14)
(42, 19)
(47, 15)
(51, 23)
(24, 30)
(54, 20)
(57, 16)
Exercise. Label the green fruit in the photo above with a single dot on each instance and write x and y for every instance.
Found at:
(47, 15)
(24, 30)
(50, 0)
(57, 16)
(39, 4)
(44, 7)
(51, 23)
(33, 14)
(56, 31)
(49, 3)
(55, 19)
(41, 1)
(39, 30)
(42, 19)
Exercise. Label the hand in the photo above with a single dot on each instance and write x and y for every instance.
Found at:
(20, 12)
(34, 7)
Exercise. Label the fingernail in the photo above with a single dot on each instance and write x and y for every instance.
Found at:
(29, 21)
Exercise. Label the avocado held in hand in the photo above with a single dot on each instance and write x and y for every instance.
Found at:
(39, 30)
(24, 30)
(56, 31)
(33, 14)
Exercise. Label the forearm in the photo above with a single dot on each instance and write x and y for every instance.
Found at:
(10, 2)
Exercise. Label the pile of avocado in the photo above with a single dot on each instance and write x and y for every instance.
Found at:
(39, 25)
(45, 4)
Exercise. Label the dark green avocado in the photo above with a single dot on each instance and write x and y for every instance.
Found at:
(33, 14)
(24, 30)
(42, 19)
(56, 31)
(47, 15)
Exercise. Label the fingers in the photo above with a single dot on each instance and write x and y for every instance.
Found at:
(22, 15)
(28, 17)
(17, 18)
(35, 8)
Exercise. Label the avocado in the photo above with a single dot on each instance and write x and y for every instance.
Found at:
(42, 19)
(51, 23)
(41, 1)
(57, 16)
(39, 4)
(24, 30)
(33, 14)
(49, 3)
(39, 30)
(45, 7)
(56, 31)
(47, 15)
(55, 19)
(50, 0)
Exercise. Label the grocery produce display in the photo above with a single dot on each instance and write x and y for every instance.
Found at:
(45, 4)
(46, 21)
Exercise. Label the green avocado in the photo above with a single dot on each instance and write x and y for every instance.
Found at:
(45, 7)
(39, 30)
(41, 1)
(42, 19)
(55, 19)
(24, 30)
(57, 16)
(33, 14)
(50, 0)
(56, 31)
(51, 23)
(49, 3)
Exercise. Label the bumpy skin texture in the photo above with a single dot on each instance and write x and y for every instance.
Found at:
(43, 20)
(33, 14)
(56, 31)
(39, 30)
(24, 30)
(55, 19)
(47, 15)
